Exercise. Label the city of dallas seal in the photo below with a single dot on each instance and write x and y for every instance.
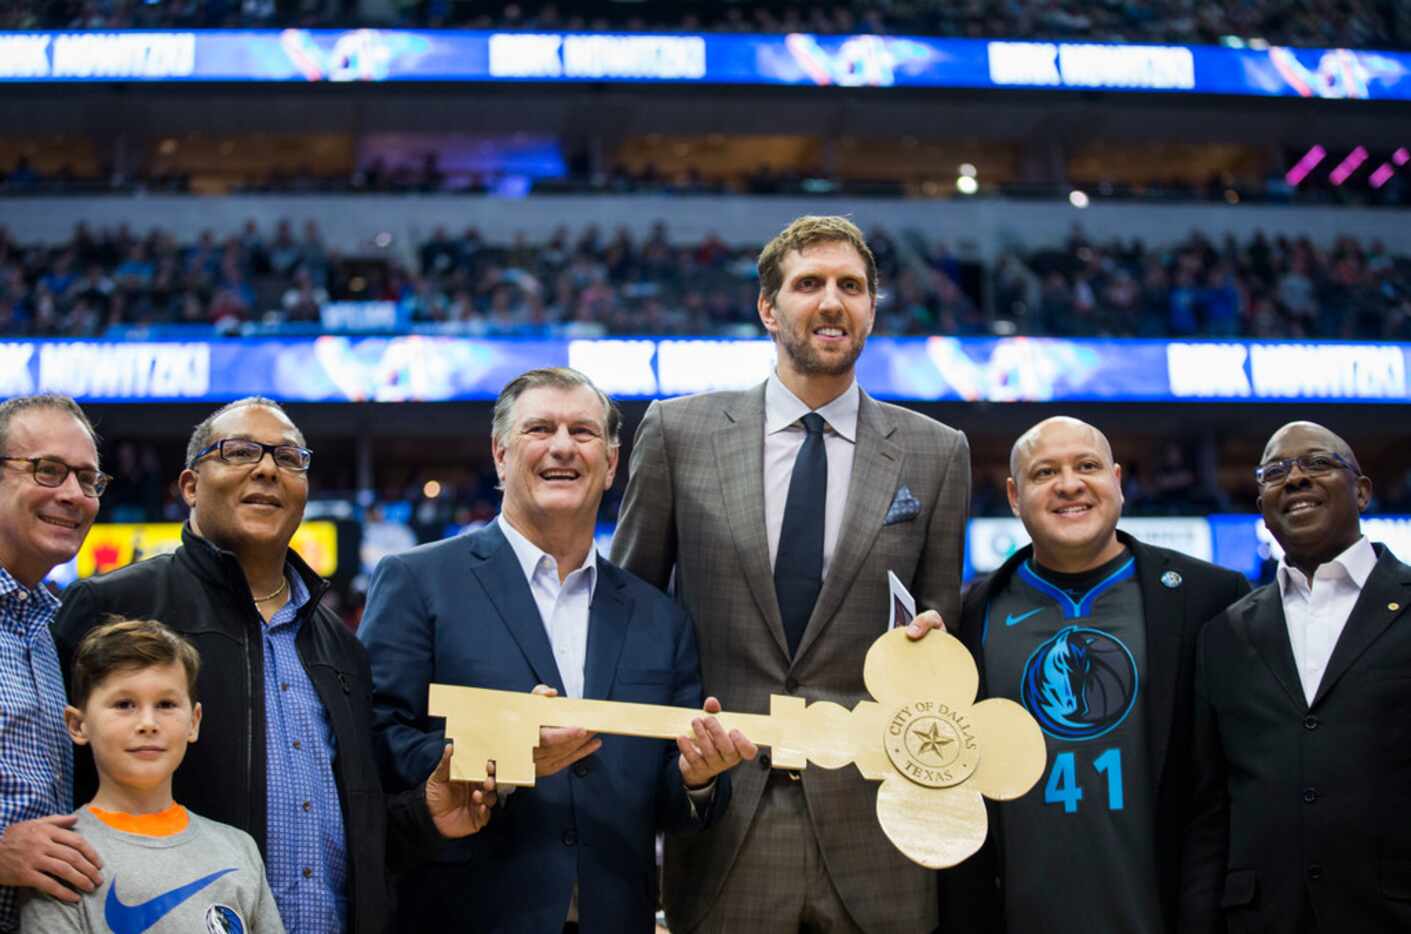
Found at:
(932, 745)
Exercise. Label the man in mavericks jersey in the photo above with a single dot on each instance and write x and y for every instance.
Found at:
(1094, 633)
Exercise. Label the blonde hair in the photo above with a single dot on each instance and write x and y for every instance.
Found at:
(804, 232)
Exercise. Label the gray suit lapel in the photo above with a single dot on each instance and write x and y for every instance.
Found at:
(876, 467)
(739, 459)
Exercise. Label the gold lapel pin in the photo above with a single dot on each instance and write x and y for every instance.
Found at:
(1393, 606)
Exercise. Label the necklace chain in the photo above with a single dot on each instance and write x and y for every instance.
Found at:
(282, 584)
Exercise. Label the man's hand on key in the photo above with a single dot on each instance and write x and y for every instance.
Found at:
(924, 623)
(561, 746)
(459, 809)
(710, 750)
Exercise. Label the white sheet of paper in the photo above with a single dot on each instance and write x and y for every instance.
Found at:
(903, 603)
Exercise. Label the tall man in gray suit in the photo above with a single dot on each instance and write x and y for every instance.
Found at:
(781, 509)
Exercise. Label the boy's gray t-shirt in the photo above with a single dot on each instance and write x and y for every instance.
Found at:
(206, 879)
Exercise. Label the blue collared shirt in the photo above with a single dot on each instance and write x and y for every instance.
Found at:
(36, 771)
(305, 858)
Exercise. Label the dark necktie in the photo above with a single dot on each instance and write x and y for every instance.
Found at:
(798, 565)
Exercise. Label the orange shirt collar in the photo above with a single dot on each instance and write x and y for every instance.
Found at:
(173, 820)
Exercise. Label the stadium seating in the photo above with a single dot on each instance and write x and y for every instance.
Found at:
(588, 283)
(1340, 23)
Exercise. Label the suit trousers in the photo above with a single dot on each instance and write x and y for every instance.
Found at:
(779, 884)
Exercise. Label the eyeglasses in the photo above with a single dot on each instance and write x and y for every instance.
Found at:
(49, 472)
(1313, 465)
(241, 452)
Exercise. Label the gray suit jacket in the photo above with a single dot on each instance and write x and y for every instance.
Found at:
(695, 506)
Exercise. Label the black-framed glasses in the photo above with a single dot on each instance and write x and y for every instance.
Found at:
(1313, 465)
(242, 452)
(52, 473)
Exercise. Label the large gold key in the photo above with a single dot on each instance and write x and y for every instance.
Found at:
(935, 750)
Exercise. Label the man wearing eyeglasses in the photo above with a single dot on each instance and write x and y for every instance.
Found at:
(286, 689)
(1302, 725)
(49, 489)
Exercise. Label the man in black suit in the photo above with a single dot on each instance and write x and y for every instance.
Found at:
(1095, 634)
(1303, 719)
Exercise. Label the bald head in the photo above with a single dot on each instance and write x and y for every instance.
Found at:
(1314, 432)
(1067, 491)
(1033, 439)
(1314, 510)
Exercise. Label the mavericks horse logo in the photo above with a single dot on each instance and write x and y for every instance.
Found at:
(1079, 684)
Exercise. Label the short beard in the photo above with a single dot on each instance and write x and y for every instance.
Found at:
(807, 361)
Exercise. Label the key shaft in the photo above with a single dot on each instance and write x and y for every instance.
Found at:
(503, 727)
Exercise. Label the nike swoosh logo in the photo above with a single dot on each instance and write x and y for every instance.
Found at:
(1012, 620)
(134, 919)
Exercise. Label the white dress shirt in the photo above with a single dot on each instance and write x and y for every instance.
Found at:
(1316, 611)
(783, 437)
(564, 610)
(563, 607)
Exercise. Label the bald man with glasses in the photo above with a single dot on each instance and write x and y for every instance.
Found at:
(49, 489)
(1303, 719)
(286, 751)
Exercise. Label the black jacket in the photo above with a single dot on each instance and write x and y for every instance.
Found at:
(972, 893)
(1302, 809)
(200, 591)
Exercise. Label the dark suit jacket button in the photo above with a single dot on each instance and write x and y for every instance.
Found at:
(1310, 795)
(582, 769)
(763, 760)
(791, 684)
(570, 837)
(1310, 722)
(1315, 872)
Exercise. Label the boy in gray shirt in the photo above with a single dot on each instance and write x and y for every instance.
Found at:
(165, 869)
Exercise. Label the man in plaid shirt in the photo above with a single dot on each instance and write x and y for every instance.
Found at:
(49, 489)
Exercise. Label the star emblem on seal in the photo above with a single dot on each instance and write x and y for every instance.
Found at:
(933, 741)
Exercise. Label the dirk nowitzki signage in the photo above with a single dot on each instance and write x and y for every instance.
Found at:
(432, 367)
(796, 59)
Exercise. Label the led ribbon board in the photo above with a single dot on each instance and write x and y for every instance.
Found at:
(438, 368)
(801, 59)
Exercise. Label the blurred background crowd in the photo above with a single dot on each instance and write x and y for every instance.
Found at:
(590, 282)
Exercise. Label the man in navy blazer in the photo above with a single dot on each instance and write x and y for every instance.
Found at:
(525, 603)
